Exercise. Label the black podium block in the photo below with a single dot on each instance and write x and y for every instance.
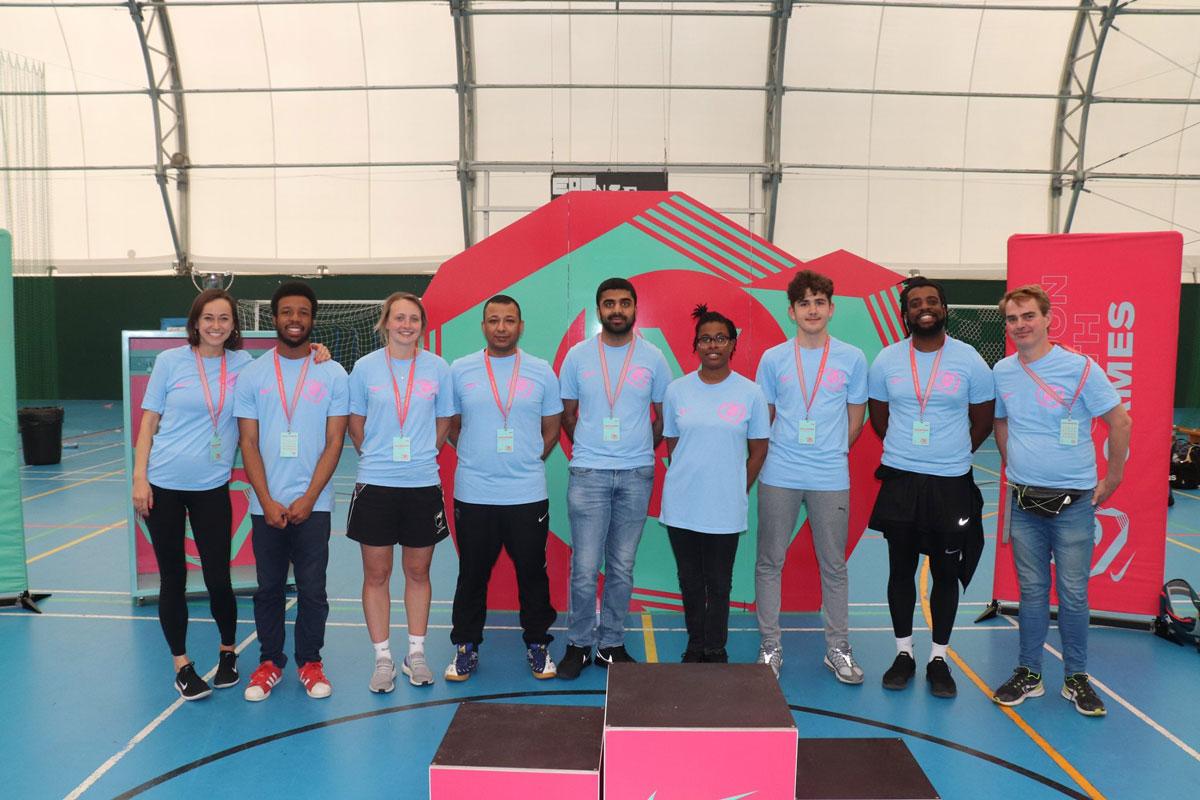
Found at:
(518, 750)
(859, 769)
(697, 730)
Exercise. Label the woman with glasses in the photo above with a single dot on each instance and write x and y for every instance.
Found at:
(716, 427)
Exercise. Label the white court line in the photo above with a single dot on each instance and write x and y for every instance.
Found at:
(81, 452)
(141, 735)
(58, 475)
(657, 628)
(1130, 707)
(80, 591)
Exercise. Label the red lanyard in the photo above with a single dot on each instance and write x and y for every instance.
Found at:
(808, 400)
(1087, 367)
(512, 384)
(402, 410)
(288, 412)
(923, 399)
(215, 414)
(608, 392)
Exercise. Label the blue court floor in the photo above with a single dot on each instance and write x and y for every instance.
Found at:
(88, 708)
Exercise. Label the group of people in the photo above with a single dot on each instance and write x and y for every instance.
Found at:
(932, 400)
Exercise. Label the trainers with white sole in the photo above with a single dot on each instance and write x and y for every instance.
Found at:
(417, 670)
(383, 679)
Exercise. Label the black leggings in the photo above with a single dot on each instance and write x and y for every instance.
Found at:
(903, 559)
(705, 566)
(211, 514)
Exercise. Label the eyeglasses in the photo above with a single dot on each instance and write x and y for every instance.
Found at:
(720, 340)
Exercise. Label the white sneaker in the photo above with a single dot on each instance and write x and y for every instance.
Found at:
(383, 679)
(416, 669)
(840, 661)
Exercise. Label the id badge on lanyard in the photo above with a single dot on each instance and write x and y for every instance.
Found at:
(504, 440)
(920, 433)
(401, 448)
(289, 444)
(1068, 432)
(808, 431)
(612, 429)
(214, 449)
(611, 425)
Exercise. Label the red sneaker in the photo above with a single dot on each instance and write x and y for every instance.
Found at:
(312, 675)
(262, 681)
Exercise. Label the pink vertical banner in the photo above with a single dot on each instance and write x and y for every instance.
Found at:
(1116, 299)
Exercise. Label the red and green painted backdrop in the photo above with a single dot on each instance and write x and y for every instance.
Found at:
(677, 252)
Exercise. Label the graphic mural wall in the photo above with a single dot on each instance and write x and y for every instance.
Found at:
(677, 252)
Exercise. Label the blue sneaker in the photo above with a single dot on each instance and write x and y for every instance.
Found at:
(466, 661)
(540, 662)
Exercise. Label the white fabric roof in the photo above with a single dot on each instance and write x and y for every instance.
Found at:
(294, 163)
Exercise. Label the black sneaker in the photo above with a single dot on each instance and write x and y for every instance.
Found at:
(941, 682)
(900, 672)
(573, 661)
(1023, 683)
(692, 657)
(1079, 691)
(613, 655)
(227, 671)
(190, 685)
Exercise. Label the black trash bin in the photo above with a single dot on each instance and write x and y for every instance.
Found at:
(41, 434)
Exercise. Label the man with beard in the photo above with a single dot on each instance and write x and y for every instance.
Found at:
(931, 400)
(609, 384)
(506, 421)
(292, 418)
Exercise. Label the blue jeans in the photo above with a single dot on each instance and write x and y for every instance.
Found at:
(608, 510)
(306, 548)
(1069, 539)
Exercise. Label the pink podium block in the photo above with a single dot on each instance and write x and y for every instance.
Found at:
(512, 751)
(697, 731)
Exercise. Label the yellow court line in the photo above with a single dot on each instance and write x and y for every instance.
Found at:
(1025, 727)
(74, 542)
(1181, 544)
(71, 485)
(648, 635)
(990, 514)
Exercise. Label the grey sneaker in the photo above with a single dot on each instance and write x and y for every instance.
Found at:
(840, 661)
(416, 669)
(383, 679)
(772, 656)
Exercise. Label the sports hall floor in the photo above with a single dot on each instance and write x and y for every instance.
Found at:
(88, 708)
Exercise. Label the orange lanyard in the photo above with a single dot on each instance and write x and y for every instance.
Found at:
(214, 414)
(808, 400)
(608, 391)
(923, 399)
(288, 412)
(402, 410)
(1087, 367)
(512, 384)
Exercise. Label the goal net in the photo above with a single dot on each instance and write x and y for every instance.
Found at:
(346, 327)
(979, 326)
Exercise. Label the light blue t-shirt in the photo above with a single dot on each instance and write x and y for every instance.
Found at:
(645, 383)
(963, 379)
(180, 454)
(325, 394)
(705, 489)
(1035, 456)
(484, 475)
(822, 465)
(373, 396)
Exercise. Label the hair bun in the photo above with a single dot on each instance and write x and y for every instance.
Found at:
(700, 310)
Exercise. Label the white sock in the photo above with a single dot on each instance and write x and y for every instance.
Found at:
(416, 644)
(382, 649)
(938, 651)
(904, 645)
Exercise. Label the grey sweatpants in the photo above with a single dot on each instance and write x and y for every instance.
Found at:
(829, 516)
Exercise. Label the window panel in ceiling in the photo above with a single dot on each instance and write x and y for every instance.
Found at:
(716, 126)
(826, 128)
(1136, 138)
(995, 207)
(414, 125)
(917, 131)
(114, 130)
(212, 139)
(317, 45)
(832, 46)
(408, 43)
(912, 218)
(322, 126)
(1150, 56)
(1022, 51)
(415, 212)
(1128, 205)
(233, 213)
(1009, 134)
(820, 212)
(125, 213)
(220, 48)
(323, 213)
(104, 47)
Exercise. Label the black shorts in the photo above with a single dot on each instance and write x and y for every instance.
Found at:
(383, 516)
